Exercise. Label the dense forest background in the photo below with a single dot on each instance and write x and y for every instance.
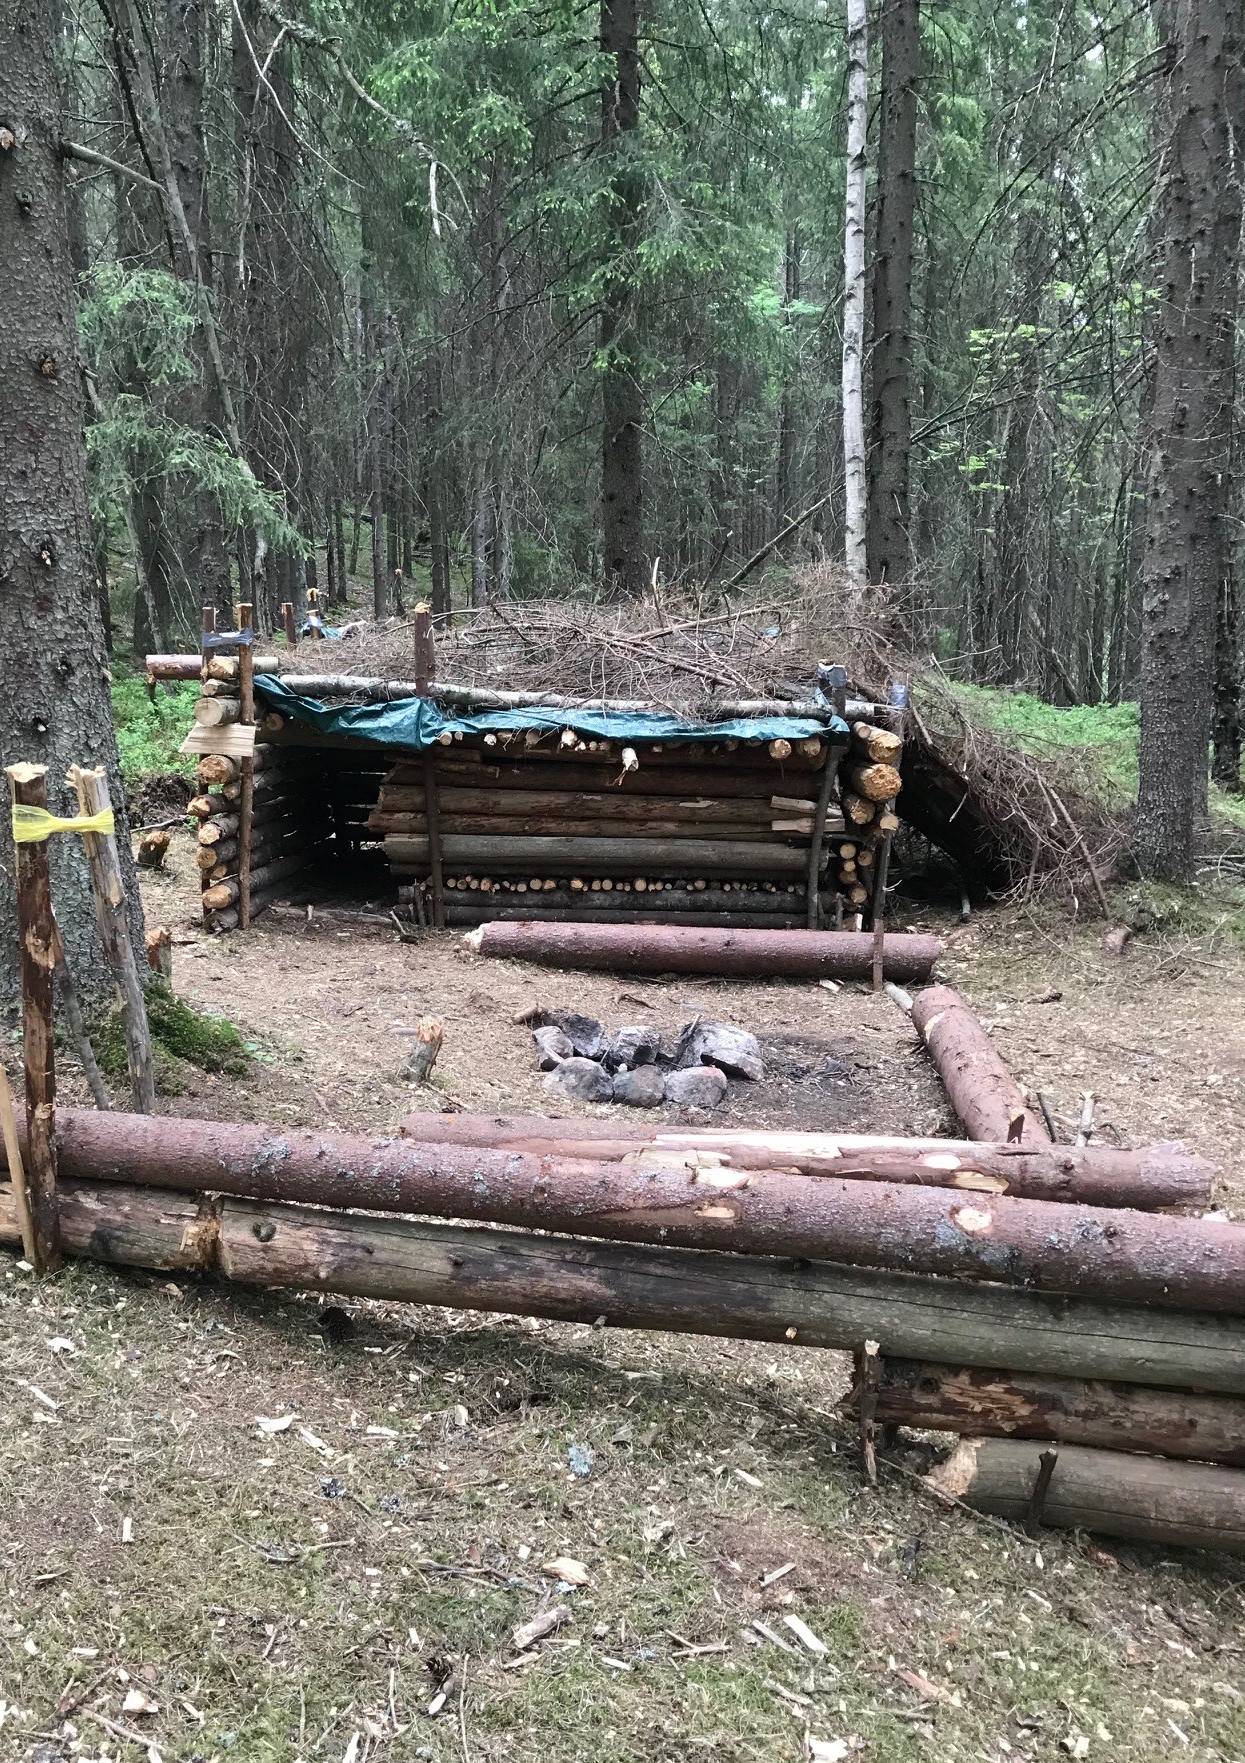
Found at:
(382, 294)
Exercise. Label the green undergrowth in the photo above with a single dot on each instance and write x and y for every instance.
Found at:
(150, 730)
(180, 1037)
(1100, 741)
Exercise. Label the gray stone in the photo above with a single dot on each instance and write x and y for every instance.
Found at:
(585, 1033)
(732, 1050)
(583, 1080)
(699, 1086)
(632, 1047)
(645, 1087)
(552, 1046)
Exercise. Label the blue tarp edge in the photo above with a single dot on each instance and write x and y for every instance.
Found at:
(417, 723)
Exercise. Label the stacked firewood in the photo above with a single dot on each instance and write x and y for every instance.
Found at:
(868, 785)
(287, 833)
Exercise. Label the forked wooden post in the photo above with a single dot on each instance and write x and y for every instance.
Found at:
(246, 803)
(28, 784)
(425, 673)
(110, 909)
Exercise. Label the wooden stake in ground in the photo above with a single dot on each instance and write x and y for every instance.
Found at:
(17, 1170)
(868, 1378)
(425, 673)
(246, 678)
(35, 926)
(77, 1023)
(110, 909)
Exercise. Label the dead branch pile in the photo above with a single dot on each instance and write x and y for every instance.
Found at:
(1009, 817)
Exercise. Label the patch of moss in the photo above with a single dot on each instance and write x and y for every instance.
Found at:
(180, 1036)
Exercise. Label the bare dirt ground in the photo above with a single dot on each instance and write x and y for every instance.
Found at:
(308, 1588)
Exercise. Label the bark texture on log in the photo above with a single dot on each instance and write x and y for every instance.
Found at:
(1177, 1263)
(600, 856)
(983, 1092)
(1111, 1416)
(660, 949)
(1148, 1499)
(1159, 1177)
(688, 1291)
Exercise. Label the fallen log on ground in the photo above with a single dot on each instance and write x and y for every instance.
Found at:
(1158, 1177)
(460, 912)
(687, 1291)
(1071, 1411)
(983, 1092)
(654, 948)
(1145, 1498)
(1181, 1263)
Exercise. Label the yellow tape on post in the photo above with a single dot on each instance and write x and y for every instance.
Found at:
(32, 825)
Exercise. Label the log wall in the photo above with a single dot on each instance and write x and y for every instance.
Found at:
(550, 825)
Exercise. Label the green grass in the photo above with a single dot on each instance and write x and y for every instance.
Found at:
(150, 731)
(1103, 739)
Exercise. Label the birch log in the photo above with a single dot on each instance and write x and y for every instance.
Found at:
(855, 483)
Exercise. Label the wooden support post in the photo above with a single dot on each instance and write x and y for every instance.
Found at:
(425, 673)
(77, 1023)
(1041, 1482)
(816, 842)
(246, 680)
(28, 784)
(208, 626)
(868, 1381)
(291, 629)
(110, 909)
(17, 1171)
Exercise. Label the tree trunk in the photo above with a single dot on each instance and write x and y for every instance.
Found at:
(855, 483)
(890, 426)
(1144, 1498)
(690, 1291)
(55, 707)
(1189, 505)
(205, 558)
(622, 414)
(786, 490)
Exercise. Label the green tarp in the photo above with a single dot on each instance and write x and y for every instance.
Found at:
(416, 723)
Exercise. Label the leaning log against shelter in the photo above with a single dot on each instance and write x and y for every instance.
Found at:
(1147, 1499)
(645, 948)
(1157, 1177)
(688, 1291)
(983, 1092)
(1176, 1263)
(1071, 1411)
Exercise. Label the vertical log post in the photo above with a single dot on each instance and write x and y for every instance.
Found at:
(207, 626)
(425, 673)
(28, 784)
(899, 700)
(832, 682)
(114, 929)
(246, 803)
(869, 1382)
(17, 1171)
(1041, 1484)
(291, 629)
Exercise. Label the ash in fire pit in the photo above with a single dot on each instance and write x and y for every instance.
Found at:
(588, 1064)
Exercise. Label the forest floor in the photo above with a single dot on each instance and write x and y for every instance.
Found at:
(302, 1591)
